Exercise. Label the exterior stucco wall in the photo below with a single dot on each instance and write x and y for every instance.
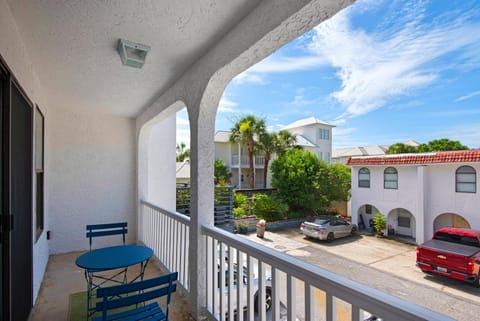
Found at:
(161, 164)
(421, 189)
(223, 151)
(442, 198)
(14, 53)
(92, 177)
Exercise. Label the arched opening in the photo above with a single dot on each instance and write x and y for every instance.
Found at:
(365, 215)
(450, 219)
(401, 222)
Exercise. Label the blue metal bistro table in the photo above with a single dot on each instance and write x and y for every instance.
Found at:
(111, 258)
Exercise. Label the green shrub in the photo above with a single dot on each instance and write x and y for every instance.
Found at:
(294, 215)
(239, 212)
(240, 200)
(379, 221)
(270, 207)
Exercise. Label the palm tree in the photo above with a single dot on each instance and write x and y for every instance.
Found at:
(183, 153)
(244, 132)
(286, 141)
(268, 143)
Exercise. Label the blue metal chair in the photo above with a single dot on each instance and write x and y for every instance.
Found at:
(134, 297)
(98, 230)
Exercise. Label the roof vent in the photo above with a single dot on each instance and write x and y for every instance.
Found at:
(132, 54)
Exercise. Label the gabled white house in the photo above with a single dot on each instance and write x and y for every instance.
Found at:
(312, 134)
(418, 193)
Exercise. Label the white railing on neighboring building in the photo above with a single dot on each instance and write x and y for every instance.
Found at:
(167, 234)
(298, 290)
(259, 161)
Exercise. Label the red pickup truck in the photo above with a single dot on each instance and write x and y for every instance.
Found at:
(453, 252)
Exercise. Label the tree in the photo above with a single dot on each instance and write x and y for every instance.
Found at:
(183, 153)
(244, 132)
(268, 143)
(401, 148)
(436, 145)
(442, 144)
(286, 141)
(221, 172)
(337, 184)
(295, 176)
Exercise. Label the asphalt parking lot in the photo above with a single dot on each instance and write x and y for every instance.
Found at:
(385, 264)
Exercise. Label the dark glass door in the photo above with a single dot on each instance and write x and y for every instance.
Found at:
(3, 79)
(21, 229)
(16, 216)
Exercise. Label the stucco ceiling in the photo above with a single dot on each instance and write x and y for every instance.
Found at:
(72, 45)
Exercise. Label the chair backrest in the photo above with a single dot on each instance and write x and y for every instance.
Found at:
(114, 297)
(98, 230)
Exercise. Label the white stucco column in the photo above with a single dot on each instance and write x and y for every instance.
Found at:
(420, 214)
(202, 157)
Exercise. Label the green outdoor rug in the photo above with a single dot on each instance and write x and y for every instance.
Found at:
(77, 306)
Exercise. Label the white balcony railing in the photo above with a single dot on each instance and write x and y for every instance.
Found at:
(259, 161)
(167, 234)
(298, 289)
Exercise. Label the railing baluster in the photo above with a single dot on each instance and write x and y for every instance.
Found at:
(330, 307)
(240, 285)
(355, 313)
(231, 277)
(250, 302)
(291, 298)
(275, 294)
(261, 291)
(309, 311)
(222, 282)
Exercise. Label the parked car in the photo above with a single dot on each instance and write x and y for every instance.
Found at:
(453, 252)
(327, 228)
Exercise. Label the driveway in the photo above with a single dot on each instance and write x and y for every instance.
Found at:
(384, 264)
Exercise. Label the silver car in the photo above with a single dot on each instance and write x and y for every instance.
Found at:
(327, 228)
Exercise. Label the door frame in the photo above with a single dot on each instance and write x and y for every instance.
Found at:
(6, 217)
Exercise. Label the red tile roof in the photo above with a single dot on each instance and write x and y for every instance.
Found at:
(461, 156)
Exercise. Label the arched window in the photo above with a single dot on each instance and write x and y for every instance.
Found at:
(390, 178)
(465, 180)
(364, 177)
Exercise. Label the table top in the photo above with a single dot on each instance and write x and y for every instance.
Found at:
(114, 257)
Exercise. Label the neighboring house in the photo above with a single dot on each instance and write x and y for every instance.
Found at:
(418, 193)
(183, 173)
(341, 155)
(312, 134)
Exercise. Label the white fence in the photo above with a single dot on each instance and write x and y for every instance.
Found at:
(167, 234)
(293, 289)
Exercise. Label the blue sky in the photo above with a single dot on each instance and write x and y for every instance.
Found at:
(382, 71)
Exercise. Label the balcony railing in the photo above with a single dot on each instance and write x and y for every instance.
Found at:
(259, 161)
(167, 234)
(297, 289)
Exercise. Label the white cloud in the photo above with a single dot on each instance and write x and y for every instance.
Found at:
(278, 64)
(300, 100)
(376, 67)
(468, 96)
(247, 77)
(226, 105)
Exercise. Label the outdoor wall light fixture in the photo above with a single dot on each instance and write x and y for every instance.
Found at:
(132, 54)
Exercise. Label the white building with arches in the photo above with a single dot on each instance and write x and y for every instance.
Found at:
(418, 193)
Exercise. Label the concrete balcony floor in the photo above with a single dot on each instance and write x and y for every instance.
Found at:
(63, 278)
